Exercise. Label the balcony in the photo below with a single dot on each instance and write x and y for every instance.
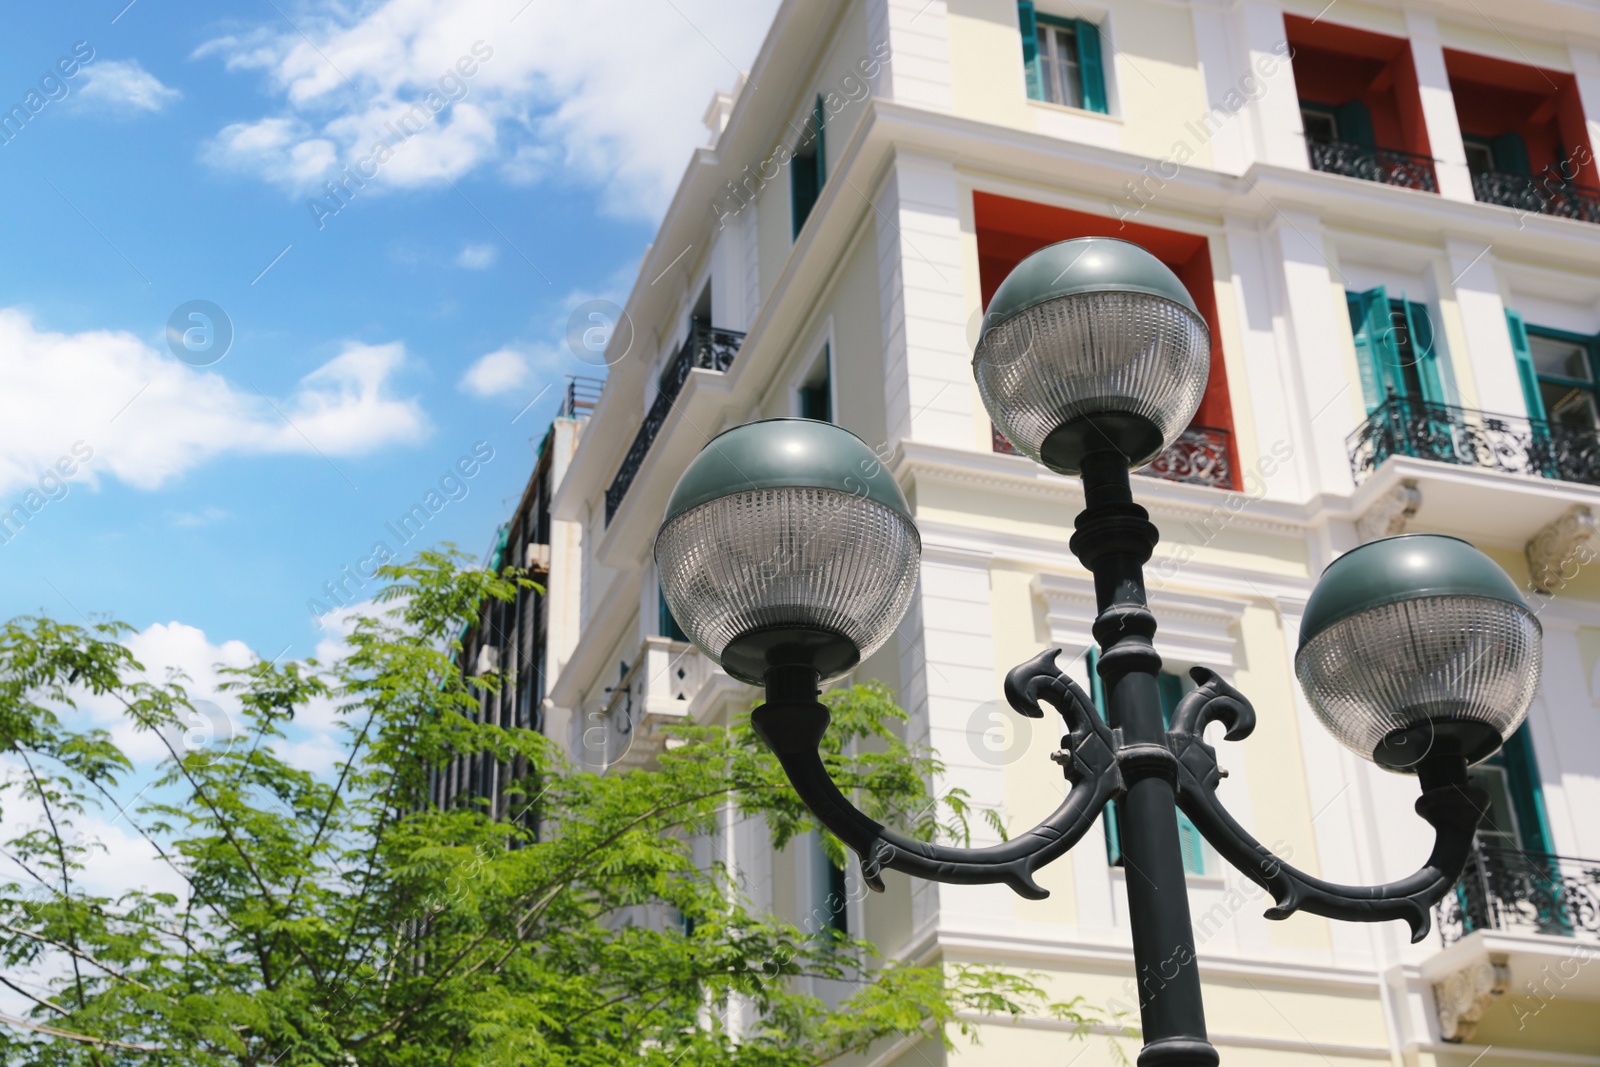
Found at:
(1547, 195)
(1388, 166)
(1199, 456)
(1509, 444)
(1512, 891)
(706, 348)
(669, 682)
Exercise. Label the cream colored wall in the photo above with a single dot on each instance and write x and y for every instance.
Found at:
(1389, 20)
(1311, 1023)
(1151, 62)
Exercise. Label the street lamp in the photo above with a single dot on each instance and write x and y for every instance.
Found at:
(788, 554)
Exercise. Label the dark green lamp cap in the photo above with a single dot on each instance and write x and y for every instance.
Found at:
(786, 454)
(1083, 265)
(1406, 567)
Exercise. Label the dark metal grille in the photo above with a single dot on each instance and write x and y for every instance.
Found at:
(707, 348)
(1507, 443)
(1528, 892)
(1546, 195)
(1199, 456)
(1388, 166)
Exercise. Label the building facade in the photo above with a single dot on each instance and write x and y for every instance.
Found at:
(1389, 216)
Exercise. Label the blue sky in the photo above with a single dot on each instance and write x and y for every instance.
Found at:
(384, 340)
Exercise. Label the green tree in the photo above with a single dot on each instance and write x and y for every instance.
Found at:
(341, 919)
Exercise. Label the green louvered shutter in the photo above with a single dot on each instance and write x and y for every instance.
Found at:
(1029, 24)
(817, 116)
(1091, 70)
(1420, 329)
(1355, 123)
(1189, 839)
(1525, 370)
(1376, 358)
(1510, 153)
(1097, 693)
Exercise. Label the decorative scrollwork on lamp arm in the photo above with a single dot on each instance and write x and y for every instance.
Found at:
(1448, 802)
(792, 722)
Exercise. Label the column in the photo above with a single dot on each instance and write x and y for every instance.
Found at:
(1327, 404)
(1483, 318)
(928, 393)
(1279, 139)
(918, 35)
(1439, 107)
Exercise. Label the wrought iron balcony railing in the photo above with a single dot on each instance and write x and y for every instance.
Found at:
(1507, 443)
(1548, 194)
(707, 348)
(1199, 456)
(1526, 892)
(1370, 163)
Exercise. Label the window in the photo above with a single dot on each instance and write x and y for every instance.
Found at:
(1350, 123)
(1062, 60)
(1504, 155)
(667, 626)
(830, 907)
(1320, 125)
(816, 392)
(1558, 374)
(808, 169)
(1395, 350)
(1190, 840)
(1516, 816)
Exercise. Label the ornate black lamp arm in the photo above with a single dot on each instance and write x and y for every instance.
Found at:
(792, 722)
(1448, 802)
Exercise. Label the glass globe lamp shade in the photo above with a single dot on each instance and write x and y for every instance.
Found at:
(1418, 646)
(1092, 345)
(787, 542)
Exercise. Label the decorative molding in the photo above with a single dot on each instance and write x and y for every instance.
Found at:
(1462, 998)
(1194, 628)
(1556, 544)
(1390, 513)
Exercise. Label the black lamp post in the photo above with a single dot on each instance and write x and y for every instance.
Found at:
(788, 553)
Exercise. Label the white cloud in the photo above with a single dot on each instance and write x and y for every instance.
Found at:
(125, 87)
(477, 257)
(146, 418)
(607, 93)
(498, 372)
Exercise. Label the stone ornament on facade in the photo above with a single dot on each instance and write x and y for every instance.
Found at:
(1390, 514)
(1553, 551)
(1463, 997)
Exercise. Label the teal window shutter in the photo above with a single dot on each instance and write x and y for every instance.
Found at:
(1189, 840)
(1029, 24)
(807, 171)
(1091, 71)
(1419, 327)
(1511, 155)
(1527, 797)
(816, 395)
(1355, 123)
(668, 626)
(1526, 374)
(1097, 693)
(817, 116)
(1375, 353)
